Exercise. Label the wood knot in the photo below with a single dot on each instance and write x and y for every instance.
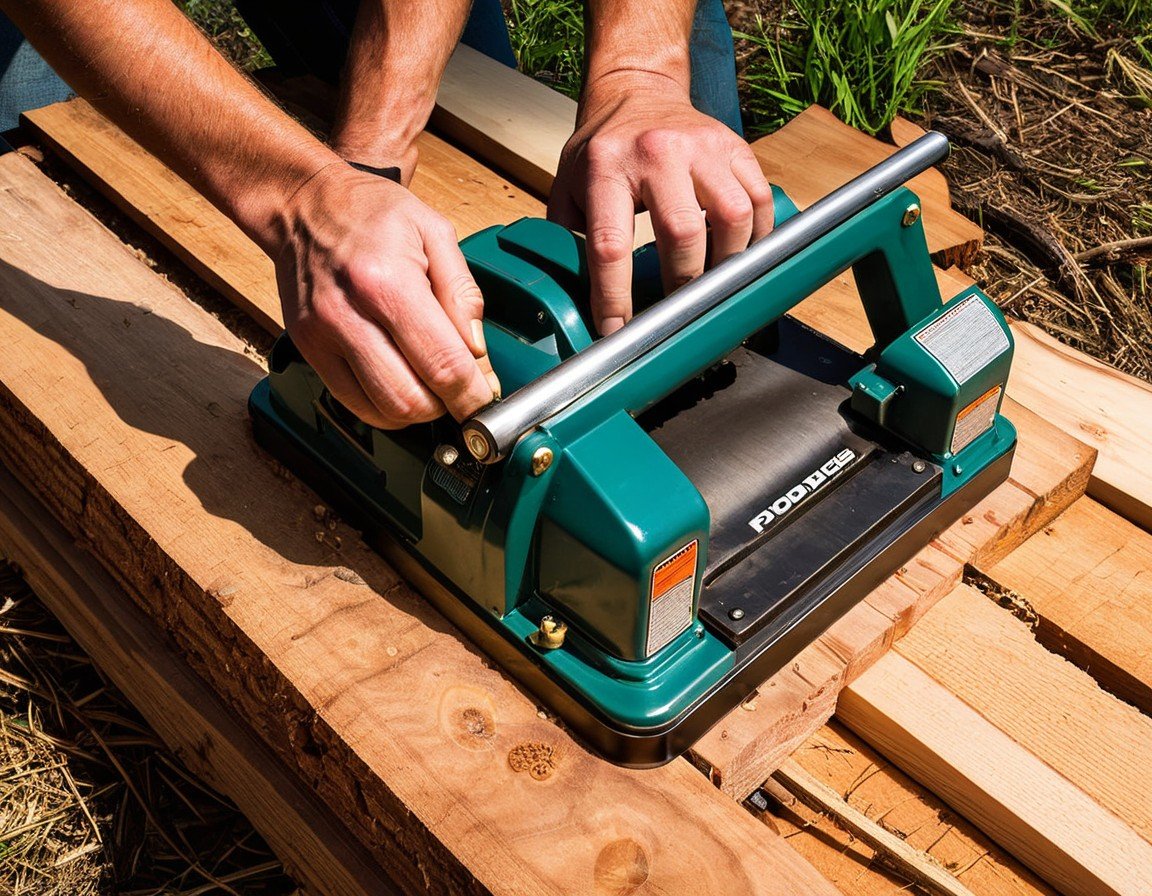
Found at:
(540, 760)
(344, 574)
(621, 868)
(467, 716)
(1093, 429)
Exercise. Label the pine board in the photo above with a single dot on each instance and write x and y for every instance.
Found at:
(990, 659)
(867, 781)
(1045, 820)
(1088, 578)
(123, 409)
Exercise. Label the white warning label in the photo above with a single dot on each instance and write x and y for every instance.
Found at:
(965, 338)
(975, 419)
(673, 582)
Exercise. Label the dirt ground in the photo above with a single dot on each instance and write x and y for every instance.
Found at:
(1053, 157)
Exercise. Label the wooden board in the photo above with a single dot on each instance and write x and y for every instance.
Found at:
(740, 752)
(315, 848)
(1088, 579)
(123, 408)
(513, 122)
(201, 236)
(1045, 820)
(990, 659)
(1097, 404)
(871, 784)
(815, 152)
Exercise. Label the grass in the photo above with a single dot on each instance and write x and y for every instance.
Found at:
(548, 40)
(864, 60)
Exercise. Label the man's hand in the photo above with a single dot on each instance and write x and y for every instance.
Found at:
(639, 143)
(379, 300)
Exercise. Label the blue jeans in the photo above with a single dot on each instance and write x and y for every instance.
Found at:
(313, 37)
(26, 80)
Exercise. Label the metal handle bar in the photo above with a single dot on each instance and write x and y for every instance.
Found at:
(491, 433)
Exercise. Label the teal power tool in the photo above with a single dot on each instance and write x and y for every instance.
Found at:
(653, 523)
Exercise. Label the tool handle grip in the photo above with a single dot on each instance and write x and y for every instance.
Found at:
(491, 433)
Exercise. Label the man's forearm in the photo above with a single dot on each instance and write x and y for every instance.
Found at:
(397, 57)
(149, 69)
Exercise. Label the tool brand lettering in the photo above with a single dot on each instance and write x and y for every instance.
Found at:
(814, 480)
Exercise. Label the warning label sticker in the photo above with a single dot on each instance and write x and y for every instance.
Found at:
(672, 585)
(975, 419)
(965, 338)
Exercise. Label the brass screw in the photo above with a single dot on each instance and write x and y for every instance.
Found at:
(550, 634)
(541, 460)
(477, 444)
(911, 215)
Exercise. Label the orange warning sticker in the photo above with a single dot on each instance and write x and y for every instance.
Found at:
(673, 586)
(976, 419)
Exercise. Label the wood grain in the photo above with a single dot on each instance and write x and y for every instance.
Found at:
(123, 408)
(872, 784)
(513, 122)
(1088, 578)
(1045, 820)
(991, 660)
(127, 647)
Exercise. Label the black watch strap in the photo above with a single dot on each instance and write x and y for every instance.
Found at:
(392, 173)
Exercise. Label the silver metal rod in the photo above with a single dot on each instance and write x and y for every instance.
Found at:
(492, 432)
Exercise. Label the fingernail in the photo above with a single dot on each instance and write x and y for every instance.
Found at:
(478, 338)
(610, 325)
(494, 382)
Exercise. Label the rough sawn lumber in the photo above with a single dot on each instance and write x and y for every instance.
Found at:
(1088, 578)
(1044, 819)
(123, 409)
(125, 644)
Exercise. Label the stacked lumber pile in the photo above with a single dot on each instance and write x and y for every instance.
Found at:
(377, 751)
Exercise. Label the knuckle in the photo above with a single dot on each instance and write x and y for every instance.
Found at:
(449, 369)
(368, 273)
(407, 404)
(733, 207)
(466, 295)
(602, 153)
(683, 224)
(608, 244)
(658, 143)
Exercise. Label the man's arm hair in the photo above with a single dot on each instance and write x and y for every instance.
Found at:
(397, 57)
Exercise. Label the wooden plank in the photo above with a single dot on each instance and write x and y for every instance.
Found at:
(1042, 818)
(991, 660)
(201, 236)
(123, 408)
(871, 784)
(513, 122)
(1097, 404)
(815, 152)
(1088, 579)
(746, 746)
(315, 848)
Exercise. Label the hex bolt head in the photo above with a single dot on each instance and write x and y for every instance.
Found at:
(735, 613)
(447, 455)
(911, 215)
